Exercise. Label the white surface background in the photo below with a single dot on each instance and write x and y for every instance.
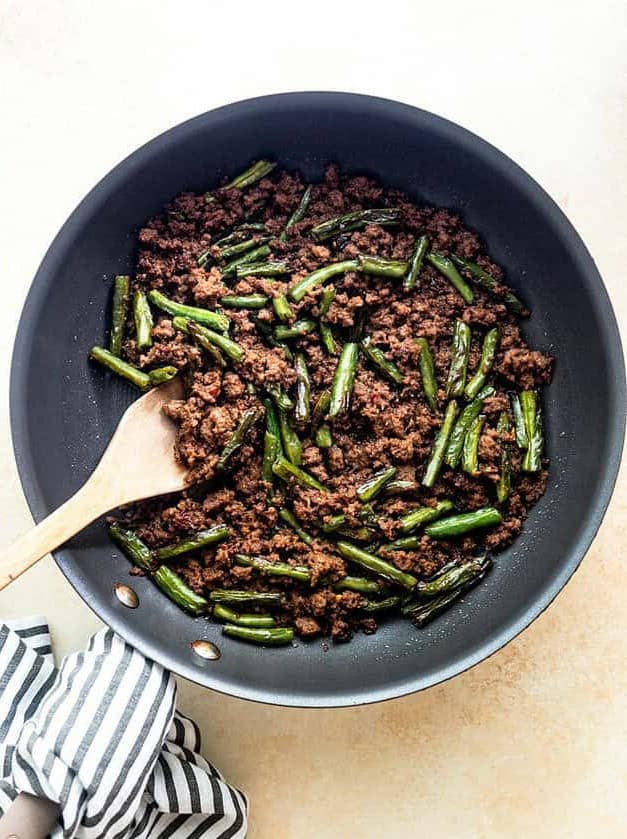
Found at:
(531, 742)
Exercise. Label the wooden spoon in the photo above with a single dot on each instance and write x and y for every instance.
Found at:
(138, 463)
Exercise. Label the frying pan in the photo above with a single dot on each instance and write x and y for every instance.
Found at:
(63, 411)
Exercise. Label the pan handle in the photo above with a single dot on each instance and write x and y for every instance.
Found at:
(29, 817)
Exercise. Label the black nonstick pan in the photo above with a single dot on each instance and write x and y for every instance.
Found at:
(62, 414)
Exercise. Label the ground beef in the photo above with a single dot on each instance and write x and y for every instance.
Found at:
(387, 425)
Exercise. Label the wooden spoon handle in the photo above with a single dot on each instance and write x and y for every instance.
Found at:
(77, 512)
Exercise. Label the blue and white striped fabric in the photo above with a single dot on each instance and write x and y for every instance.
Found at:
(100, 735)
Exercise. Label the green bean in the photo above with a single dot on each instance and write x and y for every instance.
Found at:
(454, 577)
(463, 523)
(271, 442)
(343, 380)
(205, 316)
(298, 214)
(423, 515)
(415, 264)
(290, 519)
(302, 407)
(470, 449)
(183, 324)
(373, 486)
(240, 233)
(121, 297)
(326, 299)
(262, 269)
(285, 470)
(466, 419)
(282, 308)
(280, 397)
(422, 613)
(249, 258)
(162, 374)
(324, 438)
(242, 247)
(320, 275)
(254, 173)
(378, 266)
(504, 485)
(427, 372)
(292, 446)
(266, 330)
(321, 408)
(247, 421)
(376, 565)
(488, 354)
(274, 637)
(217, 533)
(238, 597)
(490, 284)
(355, 221)
(121, 368)
(296, 330)
(359, 584)
(440, 445)
(167, 580)
(244, 301)
(326, 335)
(532, 461)
(225, 615)
(405, 543)
(460, 353)
(373, 606)
(399, 487)
(207, 337)
(519, 422)
(274, 569)
(447, 268)
(377, 357)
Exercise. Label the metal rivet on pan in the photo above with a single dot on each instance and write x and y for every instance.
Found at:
(206, 649)
(126, 595)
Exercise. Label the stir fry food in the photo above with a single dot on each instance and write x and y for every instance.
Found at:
(362, 418)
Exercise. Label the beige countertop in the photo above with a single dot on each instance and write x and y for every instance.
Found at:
(532, 741)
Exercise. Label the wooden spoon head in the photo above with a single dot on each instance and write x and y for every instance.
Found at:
(139, 461)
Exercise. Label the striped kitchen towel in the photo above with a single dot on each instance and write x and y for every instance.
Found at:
(100, 735)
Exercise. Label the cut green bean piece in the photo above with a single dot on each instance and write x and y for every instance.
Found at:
(519, 422)
(244, 301)
(460, 353)
(415, 264)
(160, 375)
(378, 266)
(213, 319)
(343, 380)
(320, 408)
(359, 584)
(262, 269)
(447, 268)
(290, 519)
(296, 330)
(280, 397)
(320, 275)
(249, 258)
(454, 577)
(183, 324)
(373, 606)
(274, 637)
(328, 341)
(405, 543)
(440, 445)
(242, 247)
(274, 569)
(399, 487)
(254, 173)
(326, 299)
(504, 485)
(488, 354)
(202, 539)
(324, 438)
(247, 422)
(470, 449)
(121, 368)
(271, 442)
(291, 444)
(225, 615)
(423, 515)
(378, 358)
(427, 372)
(466, 419)
(373, 486)
(532, 460)
(285, 470)
(302, 407)
(490, 284)
(376, 565)
(355, 221)
(121, 298)
(282, 308)
(241, 597)
(463, 523)
(423, 612)
(240, 233)
(298, 215)
(207, 337)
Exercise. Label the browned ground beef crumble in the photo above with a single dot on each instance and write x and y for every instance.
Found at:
(387, 425)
